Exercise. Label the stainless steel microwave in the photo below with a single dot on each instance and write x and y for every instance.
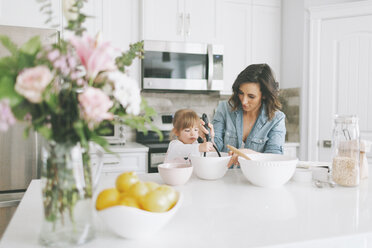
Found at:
(182, 66)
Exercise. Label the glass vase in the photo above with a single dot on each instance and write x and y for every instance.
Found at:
(67, 190)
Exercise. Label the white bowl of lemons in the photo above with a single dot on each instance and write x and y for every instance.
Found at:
(135, 209)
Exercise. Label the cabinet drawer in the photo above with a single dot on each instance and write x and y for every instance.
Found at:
(125, 162)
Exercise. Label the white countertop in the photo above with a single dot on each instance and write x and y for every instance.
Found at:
(129, 147)
(231, 212)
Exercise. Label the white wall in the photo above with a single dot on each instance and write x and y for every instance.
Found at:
(293, 34)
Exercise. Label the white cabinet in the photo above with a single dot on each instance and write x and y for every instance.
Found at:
(120, 26)
(250, 32)
(179, 20)
(130, 157)
(26, 13)
(291, 149)
(266, 36)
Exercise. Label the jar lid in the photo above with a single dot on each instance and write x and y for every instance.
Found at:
(348, 119)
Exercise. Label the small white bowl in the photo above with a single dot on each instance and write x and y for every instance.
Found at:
(174, 173)
(212, 166)
(132, 223)
(268, 170)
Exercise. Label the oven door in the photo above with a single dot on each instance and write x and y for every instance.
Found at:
(156, 156)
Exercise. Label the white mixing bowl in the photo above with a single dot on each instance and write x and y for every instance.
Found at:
(175, 174)
(212, 166)
(268, 170)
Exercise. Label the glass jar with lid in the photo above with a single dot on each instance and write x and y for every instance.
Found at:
(345, 161)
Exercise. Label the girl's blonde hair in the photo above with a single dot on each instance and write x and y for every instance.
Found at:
(184, 118)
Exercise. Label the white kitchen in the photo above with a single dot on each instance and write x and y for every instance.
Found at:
(320, 52)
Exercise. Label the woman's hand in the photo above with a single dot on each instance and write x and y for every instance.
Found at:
(206, 147)
(234, 157)
(203, 131)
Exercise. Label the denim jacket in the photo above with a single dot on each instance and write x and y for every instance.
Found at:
(266, 136)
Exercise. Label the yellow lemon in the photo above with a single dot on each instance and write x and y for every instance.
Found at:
(128, 201)
(170, 193)
(151, 185)
(138, 190)
(155, 201)
(125, 180)
(107, 198)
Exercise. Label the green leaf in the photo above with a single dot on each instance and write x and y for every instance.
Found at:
(26, 132)
(126, 59)
(45, 131)
(26, 61)
(8, 66)
(8, 44)
(52, 102)
(7, 91)
(79, 128)
(100, 141)
(32, 46)
(21, 110)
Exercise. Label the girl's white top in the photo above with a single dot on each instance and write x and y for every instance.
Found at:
(178, 152)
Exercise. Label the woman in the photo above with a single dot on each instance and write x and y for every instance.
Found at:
(251, 118)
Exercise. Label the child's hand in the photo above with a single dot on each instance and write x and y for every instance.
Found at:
(206, 147)
(203, 130)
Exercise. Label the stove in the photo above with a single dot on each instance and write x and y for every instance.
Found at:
(157, 148)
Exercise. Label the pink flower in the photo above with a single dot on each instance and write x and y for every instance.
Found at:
(53, 54)
(32, 82)
(95, 106)
(94, 55)
(6, 116)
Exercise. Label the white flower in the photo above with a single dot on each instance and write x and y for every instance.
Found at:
(126, 92)
(67, 6)
(32, 82)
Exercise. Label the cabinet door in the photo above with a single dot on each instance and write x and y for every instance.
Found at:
(163, 20)
(93, 8)
(26, 13)
(120, 26)
(200, 21)
(266, 28)
(122, 162)
(234, 33)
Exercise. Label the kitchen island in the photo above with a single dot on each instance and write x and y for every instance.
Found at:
(231, 212)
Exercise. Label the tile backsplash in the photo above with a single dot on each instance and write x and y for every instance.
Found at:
(290, 99)
(170, 102)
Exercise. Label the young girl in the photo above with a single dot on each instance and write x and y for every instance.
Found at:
(186, 127)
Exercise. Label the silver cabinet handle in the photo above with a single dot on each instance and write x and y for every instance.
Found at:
(210, 66)
(10, 203)
(111, 163)
(180, 24)
(187, 24)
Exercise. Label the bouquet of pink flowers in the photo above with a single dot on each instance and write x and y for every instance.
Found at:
(69, 90)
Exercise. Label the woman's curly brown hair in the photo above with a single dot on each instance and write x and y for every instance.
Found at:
(263, 75)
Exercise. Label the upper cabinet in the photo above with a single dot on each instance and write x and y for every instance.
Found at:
(179, 20)
(250, 32)
(25, 13)
(120, 26)
(266, 35)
